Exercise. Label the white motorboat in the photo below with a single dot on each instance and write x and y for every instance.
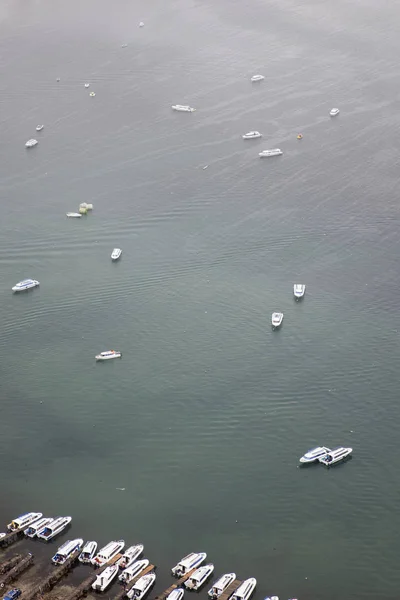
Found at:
(104, 579)
(219, 586)
(87, 85)
(133, 570)
(268, 153)
(54, 528)
(142, 586)
(299, 289)
(130, 555)
(189, 562)
(116, 254)
(73, 215)
(244, 590)
(88, 552)
(108, 355)
(141, 24)
(334, 112)
(36, 526)
(22, 286)
(92, 94)
(277, 318)
(251, 135)
(271, 598)
(335, 456)
(199, 577)
(66, 551)
(176, 594)
(31, 143)
(182, 108)
(39, 127)
(108, 552)
(257, 78)
(23, 520)
(314, 454)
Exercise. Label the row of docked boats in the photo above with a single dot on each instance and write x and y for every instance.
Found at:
(34, 524)
(326, 456)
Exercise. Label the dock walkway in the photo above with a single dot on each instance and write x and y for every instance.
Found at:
(126, 588)
(9, 564)
(180, 581)
(21, 566)
(230, 589)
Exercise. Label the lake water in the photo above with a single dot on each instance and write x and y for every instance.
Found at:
(204, 418)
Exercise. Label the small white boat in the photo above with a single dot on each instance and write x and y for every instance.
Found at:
(36, 526)
(116, 254)
(87, 85)
(66, 551)
(39, 127)
(141, 24)
(73, 215)
(314, 454)
(244, 590)
(182, 108)
(176, 594)
(2, 535)
(54, 528)
(268, 153)
(22, 286)
(142, 586)
(188, 563)
(133, 570)
(334, 112)
(23, 520)
(271, 598)
(299, 289)
(277, 318)
(129, 556)
(30, 143)
(199, 577)
(219, 586)
(251, 135)
(108, 355)
(335, 456)
(104, 579)
(108, 552)
(257, 78)
(92, 94)
(88, 552)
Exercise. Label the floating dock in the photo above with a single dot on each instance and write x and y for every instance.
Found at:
(9, 564)
(175, 585)
(11, 537)
(230, 589)
(22, 565)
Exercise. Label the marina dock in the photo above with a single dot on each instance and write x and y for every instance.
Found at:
(175, 585)
(230, 589)
(126, 589)
(49, 582)
(21, 565)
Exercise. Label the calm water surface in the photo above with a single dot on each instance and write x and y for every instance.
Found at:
(204, 418)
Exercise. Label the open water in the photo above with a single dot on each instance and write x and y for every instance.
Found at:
(204, 418)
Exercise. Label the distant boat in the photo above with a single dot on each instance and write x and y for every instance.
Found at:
(116, 254)
(39, 127)
(142, 587)
(251, 135)
(257, 78)
(23, 520)
(334, 112)
(141, 24)
(104, 579)
(108, 355)
(182, 108)
(88, 552)
(268, 153)
(22, 286)
(73, 215)
(199, 577)
(299, 289)
(31, 143)
(188, 563)
(219, 586)
(92, 94)
(87, 85)
(277, 318)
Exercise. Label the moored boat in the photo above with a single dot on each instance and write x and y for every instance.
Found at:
(335, 456)
(116, 254)
(199, 577)
(182, 108)
(276, 320)
(23, 521)
(142, 586)
(251, 135)
(176, 594)
(88, 552)
(220, 585)
(66, 551)
(51, 530)
(244, 590)
(299, 289)
(189, 562)
(36, 526)
(268, 153)
(314, 454)
(108, 552)
(130, 555)
(26, 284)
(105, 578)
(108, 355)
(133, 570)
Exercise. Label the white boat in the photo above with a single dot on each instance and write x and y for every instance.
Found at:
(176, 594)
(277, 318)
(26, 284)
(257, 78)
(88, 552)
(244, 590)
(199, 577)
(2, 535)
(142, 586)
(104, 579)
(271, 598)
(23, 520)
(189, 562)
(36, 526)
(108, 355)
(268, 153)
(251, 135)
(130, 555)
(219, 586)
(92, 94)
(66, 551)
(30, 143)
(116, 254)
(133, 570)
(141, 24)
(108, 552)
(39, 127)
(87, 85)
(182, 108)
(299, 289)
(335, 456)
(73, 215)
(314, 454)
(54, 528)
(334, 112)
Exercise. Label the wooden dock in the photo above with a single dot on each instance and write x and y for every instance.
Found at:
(125, 589)
(22, 565)
(178, 583)
(47, 584)
(11, 538)
(230, 589)
(9, 564)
